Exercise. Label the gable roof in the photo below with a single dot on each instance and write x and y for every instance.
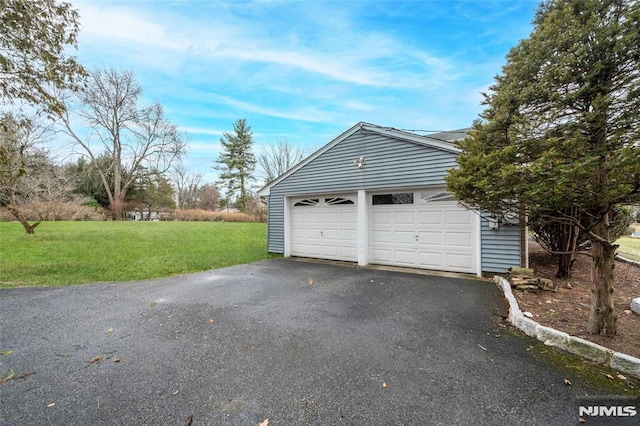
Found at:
(442, 141)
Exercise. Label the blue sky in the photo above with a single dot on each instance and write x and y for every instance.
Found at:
(304, 71)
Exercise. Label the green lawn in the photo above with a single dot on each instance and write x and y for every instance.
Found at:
(63, 253)
(629, 248)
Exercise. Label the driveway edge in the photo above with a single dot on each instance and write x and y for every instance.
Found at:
(589, 350)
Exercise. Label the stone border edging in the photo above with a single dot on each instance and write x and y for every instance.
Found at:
(589, 350)
(629, 261)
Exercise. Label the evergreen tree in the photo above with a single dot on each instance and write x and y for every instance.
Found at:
(561, 132)
(236, 164)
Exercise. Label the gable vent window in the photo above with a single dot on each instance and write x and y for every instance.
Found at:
(397, 198)
(337, 201)
(427, 197)
(307, 202)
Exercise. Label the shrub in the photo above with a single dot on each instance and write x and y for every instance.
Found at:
(196, 215)
(56, 211)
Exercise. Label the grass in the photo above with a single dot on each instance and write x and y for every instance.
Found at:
(601, 379)
(64, 253)
(629, 248)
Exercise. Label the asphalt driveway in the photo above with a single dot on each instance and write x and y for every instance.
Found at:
(291, 342)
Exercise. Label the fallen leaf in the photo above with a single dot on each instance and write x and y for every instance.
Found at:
(175, 392)
(610, 376)
(621, 377)
(310, 281)
(548, 343)
(211, 321)
(581, 420)
(109, 330)
(116, 359)
(10, 375)
(96, 359)
(384, 385)
(7, 352)
(627, 311)
(51, 405)
(265, 423)
(528, 314)
(189, 420)
(567, 382)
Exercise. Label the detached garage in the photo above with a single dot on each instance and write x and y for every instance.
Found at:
(377, 195)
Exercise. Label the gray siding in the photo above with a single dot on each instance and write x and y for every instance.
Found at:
(500, 248)
(388, 164)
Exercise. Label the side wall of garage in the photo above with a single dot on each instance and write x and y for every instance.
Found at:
(388, 164)
(500, 249)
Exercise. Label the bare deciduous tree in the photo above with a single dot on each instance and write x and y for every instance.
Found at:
(187, 185)
(277, 159)
(107, 119)
(208, 197)
(21, 164)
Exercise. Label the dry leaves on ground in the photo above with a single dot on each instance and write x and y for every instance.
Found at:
(568, 309)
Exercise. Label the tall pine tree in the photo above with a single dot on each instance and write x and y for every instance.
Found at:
(236, 164)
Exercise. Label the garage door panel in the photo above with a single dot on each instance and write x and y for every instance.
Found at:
(348, 252)
(324, 227)
(313, 233)
(459, 261)
(330, 250)
(314, 249)
(312, 217)
(331, 234)
(404, 237)
(349, 235)
(405, 257)
(430, 238)
(403, 218)
(298, 247)
(431, 260)
(459, 239)
(298, 233)
(463, 217)
(429, 218)
(382, 255)
(446, 236)
(381, 217)
(349, 217)
(380, 236)
(330, 218)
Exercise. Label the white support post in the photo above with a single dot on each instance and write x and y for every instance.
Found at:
(363, 228)
(479, 246)
(287, 227)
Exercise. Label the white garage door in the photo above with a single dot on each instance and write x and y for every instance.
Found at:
(324, 227)
(422, 230)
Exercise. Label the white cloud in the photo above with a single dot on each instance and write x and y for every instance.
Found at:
(123, 25)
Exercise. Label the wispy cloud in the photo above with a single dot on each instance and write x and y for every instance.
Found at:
(306, 70)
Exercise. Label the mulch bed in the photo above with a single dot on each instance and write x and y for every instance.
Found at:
(568, 309)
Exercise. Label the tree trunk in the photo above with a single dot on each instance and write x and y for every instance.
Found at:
(569, 236)
(564, 265)
(23, 220)
(603, 318)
